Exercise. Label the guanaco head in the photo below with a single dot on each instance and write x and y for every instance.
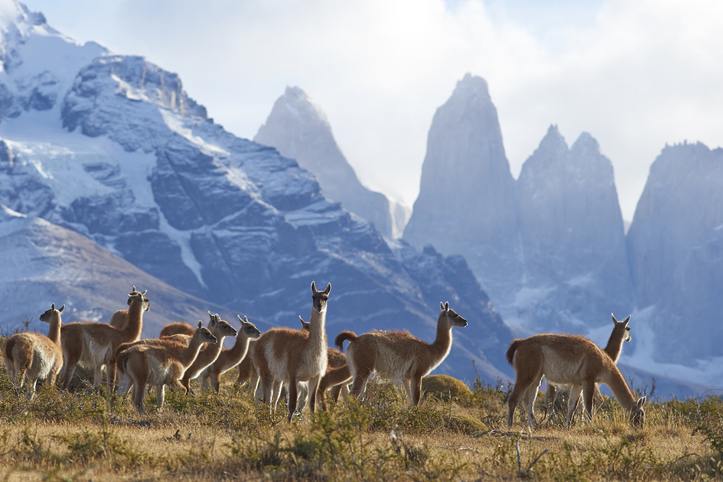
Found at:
(205, 334)
(637, 414)
(305, 325)
(47, 316)
(320, 297)
(248, 329)
(452, 317)
(623, 325)
(220, 327)
(135, 294)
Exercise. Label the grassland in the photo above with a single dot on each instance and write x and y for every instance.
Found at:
(88, 434)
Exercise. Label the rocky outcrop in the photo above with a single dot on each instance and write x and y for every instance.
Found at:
(572, 236)
(466, 202)
(675, 245)
(299, 129)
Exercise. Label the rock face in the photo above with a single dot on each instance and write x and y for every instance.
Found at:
(299, 129)
(572, 236)
(467, 202)
(549, 248)
(675, 245)
(127, 159)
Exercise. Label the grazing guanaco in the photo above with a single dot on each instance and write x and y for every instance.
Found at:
(94, 344)
(620, 334)
(229, 358)
(157, 365)
(398, 355)
(567, 360)
(34, 356)
(283, 355)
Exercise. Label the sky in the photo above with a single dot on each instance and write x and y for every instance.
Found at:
(635, 74)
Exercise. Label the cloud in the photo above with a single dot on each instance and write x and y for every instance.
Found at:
(634, 74)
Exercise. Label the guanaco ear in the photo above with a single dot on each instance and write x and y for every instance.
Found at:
(441, 306)
(301, 320)
(246, 320)
(627, 320)
(615, 320)
(134, 288)
(52, 306)
(144, 293)
(61, 308)
(313, 287)
(641, 401)
(200, 324)
(328, 288)
(446, 306)
(240, 319)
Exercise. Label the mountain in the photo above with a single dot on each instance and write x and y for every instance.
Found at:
(573, 237)
(44, 263)
(550, 247)
(467, 202)
(300, 130)
(675, 246)
(120, 154)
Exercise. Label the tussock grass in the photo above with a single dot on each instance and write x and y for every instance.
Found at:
(89, 434)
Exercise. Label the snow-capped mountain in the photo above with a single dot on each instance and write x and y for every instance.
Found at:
(466, 202)
(44, 263)
(572, 237)
(121, 154)
(300, 130)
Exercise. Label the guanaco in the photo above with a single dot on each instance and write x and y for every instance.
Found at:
(398, 355)
(567, 360)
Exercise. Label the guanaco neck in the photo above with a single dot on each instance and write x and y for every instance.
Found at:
(239, 349)
(443, 343)
(317, 332)
(54, 332)
(620, 389)
(615, 343)
(134, 326)
(189, 355)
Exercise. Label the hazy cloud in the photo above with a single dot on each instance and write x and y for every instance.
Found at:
(635, 74)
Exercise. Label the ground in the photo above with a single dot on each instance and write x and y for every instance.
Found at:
(88, 434)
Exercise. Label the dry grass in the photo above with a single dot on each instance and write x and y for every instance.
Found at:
(86, 434)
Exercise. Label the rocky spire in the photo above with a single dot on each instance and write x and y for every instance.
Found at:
(299, 129)
(466, 202)
(572, 235)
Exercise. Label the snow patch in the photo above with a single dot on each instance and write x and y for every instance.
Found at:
(707, 371)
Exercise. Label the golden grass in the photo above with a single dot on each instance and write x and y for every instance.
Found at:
(91, 435)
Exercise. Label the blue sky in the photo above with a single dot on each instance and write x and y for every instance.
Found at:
(635, 74)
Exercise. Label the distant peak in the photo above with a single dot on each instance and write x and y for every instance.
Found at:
(472, 86)
(470, 80)
(295, 92)
(586, 142)
(553, 141)
(299, 104)
(553, 131)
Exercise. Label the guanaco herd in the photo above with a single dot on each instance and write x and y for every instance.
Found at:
(299, 361)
